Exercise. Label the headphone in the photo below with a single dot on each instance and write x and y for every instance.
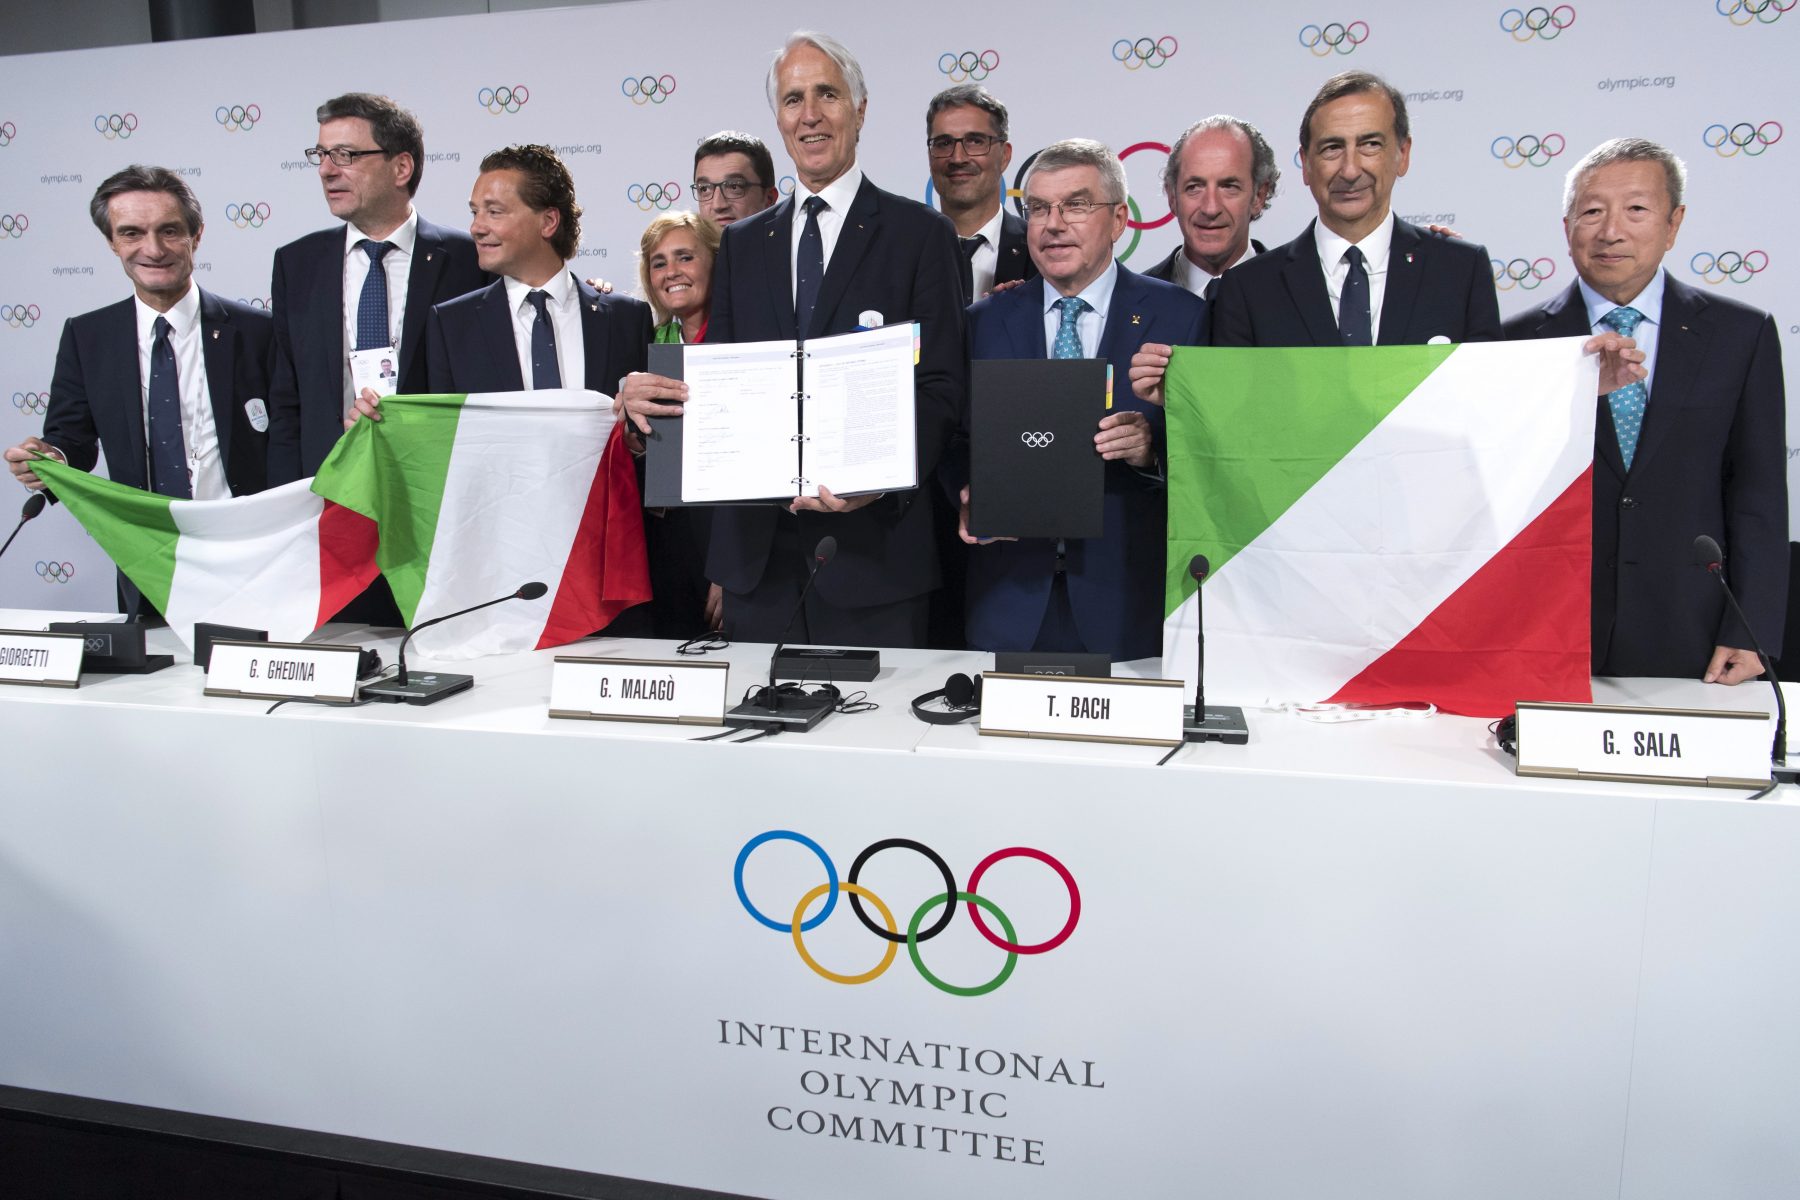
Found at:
(962, 699)
(764, 696)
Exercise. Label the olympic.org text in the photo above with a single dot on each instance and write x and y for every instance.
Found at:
(300, 164)
(1424, 219)
(59, 179)
(578, 148)
(944, 1096)
(1632, 85)
(1453, 95)
(71, 270)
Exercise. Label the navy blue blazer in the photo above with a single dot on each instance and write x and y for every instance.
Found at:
(469, 344)
(1014, 256)
(1711, 459)
(306, 296)
(1436, 287)
(1116, 579)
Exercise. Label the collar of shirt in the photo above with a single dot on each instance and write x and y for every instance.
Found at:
(984, 264)
(403, 238)
(837, 196)
(1374, 247)
(1649, 302)
(559, 288)
(1193, 277)
(184, 317)
(1098, 295)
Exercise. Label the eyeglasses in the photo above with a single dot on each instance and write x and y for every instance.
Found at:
(734, 189)
(339, 155)
(1073, 212)
(975, 145)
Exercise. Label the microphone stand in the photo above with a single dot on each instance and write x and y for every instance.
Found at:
(1714, 564)
(1201, 724)
(430, 688)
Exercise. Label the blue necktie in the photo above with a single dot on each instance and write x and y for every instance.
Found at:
(1355, 320)
(372, 331)
(809, 267)
(1627, 403)
(168, 452)
(545, 372)
(1068, 338)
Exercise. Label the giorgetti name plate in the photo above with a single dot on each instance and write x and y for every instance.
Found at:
(1137, 712)
(1645, 745)
(638, 689)
(283, 671)
(39, 659)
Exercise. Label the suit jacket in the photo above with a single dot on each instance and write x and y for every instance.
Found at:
(1116, 579)
(1436, 287)
(893, 256)
(1711, 459)
(306, 296)
(1165, 270)
(1014, 260)
(470, 345)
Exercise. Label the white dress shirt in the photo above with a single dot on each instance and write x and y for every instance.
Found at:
(1193, 277)
(837, 196)
(1332, 249)
(199, 433)
(564, 306)
(1090, 325)
(985, 263)
(1649, 302)
(397, 265)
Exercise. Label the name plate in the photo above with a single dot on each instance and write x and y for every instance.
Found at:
(1645, 745)
(1138, 712)
(638, 689)
(39, 659)
(283, 671)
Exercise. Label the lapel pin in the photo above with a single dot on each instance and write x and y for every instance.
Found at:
(1409, 256)
(215, 335)
(1134, 318)
(594, 307)
(428, 258)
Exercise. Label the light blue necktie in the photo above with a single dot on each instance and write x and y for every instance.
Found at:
(1068, 340)
(1628, 402)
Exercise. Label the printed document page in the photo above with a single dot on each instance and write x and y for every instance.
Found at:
(858, 421)
(739, 422)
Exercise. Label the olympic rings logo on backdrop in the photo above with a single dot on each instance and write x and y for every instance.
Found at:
(648, 89)
(259, 303)
(1538, 22)
(20, 315)
(114, 125)
(56, 572)
(13, 225)
(1528, 148)
(503, 99)
(799, 923)
(235, 117)
(968, 65)
(1525, 274)
(1742, 138)
(785, 185)
(1136, 54)
(1135, 222)
(653, 195)
(249, 215)
(1743, 12)
(1323, 39)
(1715, 269)
(33, 404)
(8, 131)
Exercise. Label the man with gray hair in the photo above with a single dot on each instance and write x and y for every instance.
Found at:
(1695, 444)
(1220, 177)
(966, 140)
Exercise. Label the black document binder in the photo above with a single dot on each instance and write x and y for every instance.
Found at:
(1033, 470)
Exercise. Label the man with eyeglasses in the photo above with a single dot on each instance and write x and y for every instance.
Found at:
(734, 177)
(1099, 595)
(966, 139)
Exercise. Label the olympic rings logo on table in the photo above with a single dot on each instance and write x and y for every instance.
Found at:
(653, 195)
(1715, 269)
(1743, 12)
(248, 215)
(116, 125)
(31, 403)
(800, 924)
(968, 65)
(648, 89)
(237, 117)
(1136, 54)
(1742, 138)
(499, 100)
(8, 131)
(13, 225)
(1528, 148)
(56, 572)
(1525, 274)
(1537, 22)
(1323, 39)
(20, 315)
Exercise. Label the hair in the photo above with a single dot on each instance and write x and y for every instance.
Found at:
(969, 95)
(1628, 149)
(544, 183)
(831, 48)
(730, 141)
(1264, 174)
(140, 178)
(1353, 83)
(394, 129)
(1080, 152)
(703, 229)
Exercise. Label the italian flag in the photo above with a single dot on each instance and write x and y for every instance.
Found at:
(474, 495)
(285, 560)
(1385, 525)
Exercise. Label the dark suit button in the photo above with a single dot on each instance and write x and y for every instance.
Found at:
(1627, 502)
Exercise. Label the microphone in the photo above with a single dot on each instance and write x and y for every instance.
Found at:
(764, 711)
(34, 504)
(823, 553)
(1224, 724)
(1709, 557)
(429, 688)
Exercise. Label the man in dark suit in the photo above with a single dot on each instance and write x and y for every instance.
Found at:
(172, 383)
(1220, 177)
(365, 285)
(1697, 445)
(838, 254)
(966, 139)
(1100, 595)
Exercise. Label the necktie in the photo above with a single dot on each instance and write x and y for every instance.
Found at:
(1355, 321)
(1212, 289)
(545, 372)
(969, 246)
(809, 267)
(1068, 338)
(168, 453)
(372, 331)
(1627, 403)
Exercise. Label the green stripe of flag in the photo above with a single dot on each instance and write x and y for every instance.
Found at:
(134, 527)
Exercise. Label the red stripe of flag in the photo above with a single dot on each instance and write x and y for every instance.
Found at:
(347, 542)
(608, 569)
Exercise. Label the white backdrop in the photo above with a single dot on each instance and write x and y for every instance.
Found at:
(233, 115)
